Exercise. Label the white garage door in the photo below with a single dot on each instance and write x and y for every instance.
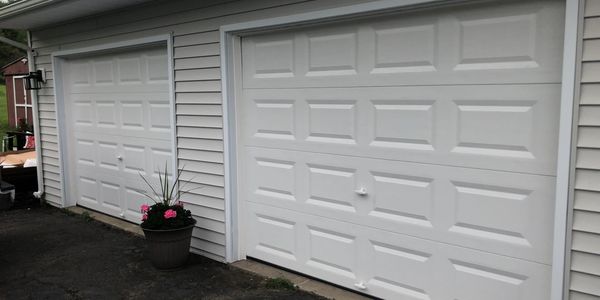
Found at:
(409, 157)
(118, 124)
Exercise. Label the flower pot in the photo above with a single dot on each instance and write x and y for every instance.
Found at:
(168, 249)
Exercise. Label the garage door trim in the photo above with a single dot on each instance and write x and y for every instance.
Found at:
(59, 58)
(231, 64)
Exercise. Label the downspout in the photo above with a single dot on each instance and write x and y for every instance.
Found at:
(36, 122)
(34, 106)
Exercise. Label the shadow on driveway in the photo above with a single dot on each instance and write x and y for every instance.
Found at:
(47, 254)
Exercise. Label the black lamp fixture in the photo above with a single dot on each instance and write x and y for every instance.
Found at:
(34, 80)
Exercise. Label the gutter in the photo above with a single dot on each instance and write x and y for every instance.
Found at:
(36, 122)
(23, 7)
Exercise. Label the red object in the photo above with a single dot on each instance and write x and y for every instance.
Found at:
(29, 142)
(18, 100)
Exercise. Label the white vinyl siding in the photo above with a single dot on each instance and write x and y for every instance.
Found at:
(195, 27)
(585, 245)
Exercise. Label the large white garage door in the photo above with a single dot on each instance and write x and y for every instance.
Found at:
(409, 157)
(118, 124)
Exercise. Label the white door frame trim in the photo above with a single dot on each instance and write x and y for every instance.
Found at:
(230, 36)
(59, 57)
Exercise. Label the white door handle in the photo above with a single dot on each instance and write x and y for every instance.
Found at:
(360, 285)
(119, 157)
(362, 191)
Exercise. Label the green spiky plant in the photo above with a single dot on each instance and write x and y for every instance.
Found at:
(167, 212)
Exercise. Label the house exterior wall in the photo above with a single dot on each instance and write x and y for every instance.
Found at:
(585, 244)
(195, 27)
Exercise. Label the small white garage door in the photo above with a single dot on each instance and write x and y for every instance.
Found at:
(408, 157)
(118, 125)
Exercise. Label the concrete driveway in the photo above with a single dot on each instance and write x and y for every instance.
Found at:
(48, 254)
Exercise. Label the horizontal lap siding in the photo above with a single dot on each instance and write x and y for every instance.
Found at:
(195, 26)
(585, 248)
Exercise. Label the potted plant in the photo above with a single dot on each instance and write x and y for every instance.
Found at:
(167, 225)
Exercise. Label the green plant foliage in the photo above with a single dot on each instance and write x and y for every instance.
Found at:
(279, 283)
(156, 217)
(167, 212)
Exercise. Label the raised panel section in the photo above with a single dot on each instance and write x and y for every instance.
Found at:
(483, 211)
(86, 152)
(134, 159)
(322, 178)
(401, 198)
(474, 282)
(130, 70)
(107, 155)
(103, 72)
(332, 252)
(157, 66)
(106, 114)
(389, 259)
(80, 74)
(83, 113)
(332, 121)
(498, 43)
(277, 179)
(135, 198)
(405, 49)
(495, 128)
(160, 156)
(274, 58)
(110, 194)
(88, 190)
(276, 236)
(133, 115)
(160, 116)
(332, 54)
(275, 119)
(404, 124)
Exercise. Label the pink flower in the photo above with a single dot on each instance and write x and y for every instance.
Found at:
(179, 203)
(144, 217)
(170, 214)
(144, 208)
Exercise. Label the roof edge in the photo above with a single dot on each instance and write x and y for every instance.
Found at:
(25, 6)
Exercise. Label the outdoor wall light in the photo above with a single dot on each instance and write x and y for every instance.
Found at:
(34, 80)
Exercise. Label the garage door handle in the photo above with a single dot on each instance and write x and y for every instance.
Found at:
(119, 157)
(362, 191)
(360, 285)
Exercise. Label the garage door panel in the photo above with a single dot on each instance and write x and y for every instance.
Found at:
(509, 43)
(447, 204)
(118, 120)
(389, 265)
(412, 154)
(507, 127)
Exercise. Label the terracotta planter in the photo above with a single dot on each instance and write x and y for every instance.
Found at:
(168, 249)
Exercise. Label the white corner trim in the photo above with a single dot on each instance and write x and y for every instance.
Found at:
(58, 58)
(565, 140)
(228, 136)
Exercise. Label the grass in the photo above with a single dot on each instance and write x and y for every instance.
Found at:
(279, 284)
(3, 112)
